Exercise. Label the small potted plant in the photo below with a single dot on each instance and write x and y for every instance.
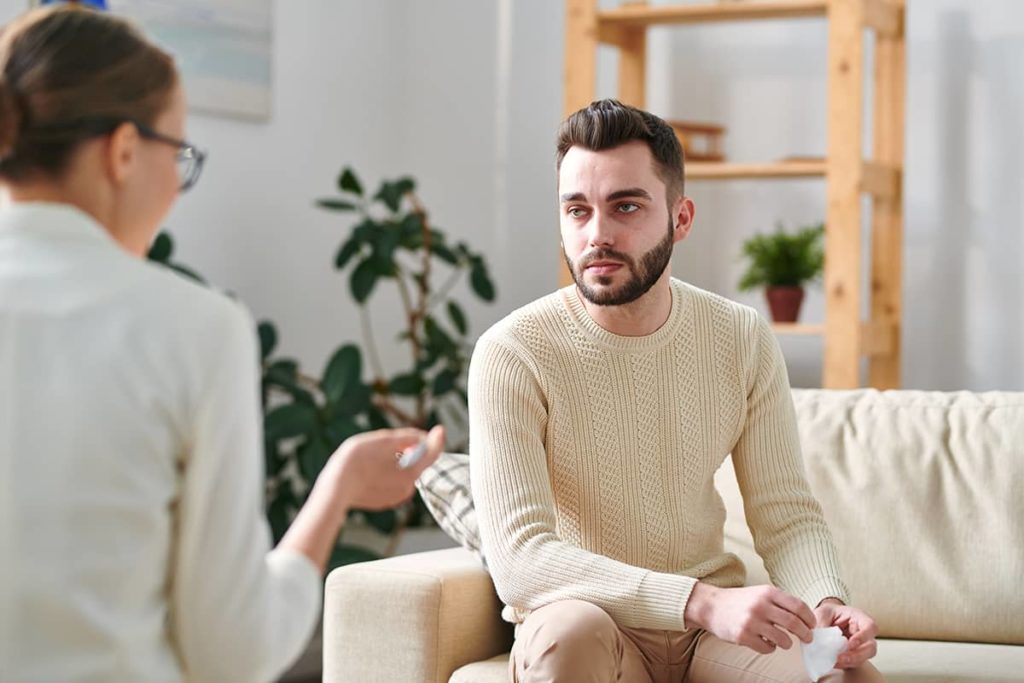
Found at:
(782, 263)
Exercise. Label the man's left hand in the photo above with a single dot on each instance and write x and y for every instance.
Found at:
(859, 629)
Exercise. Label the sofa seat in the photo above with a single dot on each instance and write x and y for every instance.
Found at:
(901, 661)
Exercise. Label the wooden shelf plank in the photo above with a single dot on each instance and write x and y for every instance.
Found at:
(799, 329)
(706, 170)
(635, 15)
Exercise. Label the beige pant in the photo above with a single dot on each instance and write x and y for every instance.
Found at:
(574, 641)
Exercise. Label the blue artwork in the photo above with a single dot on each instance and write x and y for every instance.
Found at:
(98, 4)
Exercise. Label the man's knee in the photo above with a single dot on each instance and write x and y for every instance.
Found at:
(568, 637)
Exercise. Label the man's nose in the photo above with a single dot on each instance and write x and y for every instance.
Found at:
(601, 231)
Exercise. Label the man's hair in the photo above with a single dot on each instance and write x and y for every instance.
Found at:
(606, 124)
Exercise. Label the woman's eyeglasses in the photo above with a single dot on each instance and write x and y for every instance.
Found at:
(189, 158)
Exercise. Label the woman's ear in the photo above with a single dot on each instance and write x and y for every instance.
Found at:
(122, 151)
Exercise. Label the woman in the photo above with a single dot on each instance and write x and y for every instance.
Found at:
(132, 541)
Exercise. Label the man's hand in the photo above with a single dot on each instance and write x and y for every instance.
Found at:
(757, 617)
(859, 629)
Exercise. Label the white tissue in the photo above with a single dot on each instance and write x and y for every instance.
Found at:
(821, 653)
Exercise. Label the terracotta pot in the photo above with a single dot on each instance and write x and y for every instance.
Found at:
(784, 302)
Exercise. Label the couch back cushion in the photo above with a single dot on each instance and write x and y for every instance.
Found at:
(924, 494)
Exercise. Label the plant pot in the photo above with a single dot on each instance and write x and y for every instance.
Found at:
(784, 302)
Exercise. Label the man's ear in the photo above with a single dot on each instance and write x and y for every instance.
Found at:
(122, 153)
(683, 210)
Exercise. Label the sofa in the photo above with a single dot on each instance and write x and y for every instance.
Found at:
(923, 492)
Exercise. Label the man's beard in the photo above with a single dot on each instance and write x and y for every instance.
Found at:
(643, 277)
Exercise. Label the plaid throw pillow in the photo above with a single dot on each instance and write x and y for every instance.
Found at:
(444, 487)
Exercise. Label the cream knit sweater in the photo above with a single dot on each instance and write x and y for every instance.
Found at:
(593, 457)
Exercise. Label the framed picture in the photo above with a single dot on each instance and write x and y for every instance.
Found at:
(223, 48)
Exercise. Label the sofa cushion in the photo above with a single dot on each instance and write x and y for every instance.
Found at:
(488, 671)
(444, 488)
(924, 494)
(922, 661)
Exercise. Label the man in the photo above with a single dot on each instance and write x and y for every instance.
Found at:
(599, 415)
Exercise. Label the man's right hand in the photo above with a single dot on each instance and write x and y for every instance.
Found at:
(756, 616)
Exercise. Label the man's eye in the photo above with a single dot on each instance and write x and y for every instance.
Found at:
(576, 212)
(629, 207)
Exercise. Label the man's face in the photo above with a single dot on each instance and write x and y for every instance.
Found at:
(617, 231)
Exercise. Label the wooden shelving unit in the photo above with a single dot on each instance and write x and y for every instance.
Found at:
(847, 176)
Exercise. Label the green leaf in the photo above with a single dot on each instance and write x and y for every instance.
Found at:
(441, 251)
(444, 382)
(385, 241)
(457, 317)
(350, 554)
(277, 515)
(340, 428)
(411, 232)
(313, 456)
(342, 372)
(365, 230)
(187, 272)
(283, 375)
(376, 419)
(348, 182)
(405, 185)
(349, 249)
(384, 521)
(409, 384)
(272, 459)
(161, 249)
(284, 370)
(481, 281)
(391, 194)
(364, 277)
(437, 338)
(336, 205)
(268, 338)
(290, 420)
(356, 400)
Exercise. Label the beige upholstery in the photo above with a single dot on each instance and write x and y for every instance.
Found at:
(410, 618)
(924, 493)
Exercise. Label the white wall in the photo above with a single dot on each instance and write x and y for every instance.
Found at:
(250, 224)
(467, 95)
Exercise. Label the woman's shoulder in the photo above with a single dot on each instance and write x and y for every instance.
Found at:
(171, 310)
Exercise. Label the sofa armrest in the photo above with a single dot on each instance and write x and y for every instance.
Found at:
(414, 618)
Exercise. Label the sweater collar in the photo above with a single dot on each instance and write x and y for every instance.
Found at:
(51, 221)
(579, 316)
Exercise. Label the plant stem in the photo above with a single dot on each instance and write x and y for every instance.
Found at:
(371, 346)
(387, 406)
(424, 289)
(443, 290)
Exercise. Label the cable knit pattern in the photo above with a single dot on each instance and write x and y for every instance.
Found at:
(593, 456)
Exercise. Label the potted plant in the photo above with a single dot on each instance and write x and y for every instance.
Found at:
(307, 417)
(782, 263)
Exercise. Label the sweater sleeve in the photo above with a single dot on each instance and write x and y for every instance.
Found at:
(785, 520)
(530, 564)
(239, 611)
